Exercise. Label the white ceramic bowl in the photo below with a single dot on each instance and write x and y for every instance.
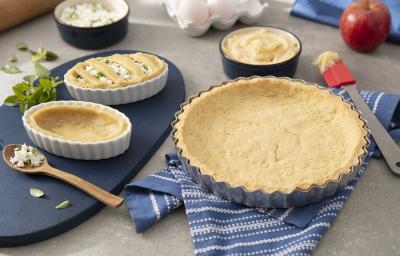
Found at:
(74, 149)
(123, 95)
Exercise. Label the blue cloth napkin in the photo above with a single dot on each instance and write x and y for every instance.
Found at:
(329, 12)
(219, 227)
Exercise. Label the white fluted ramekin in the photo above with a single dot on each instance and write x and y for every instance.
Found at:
(122, 95)
(74, 149)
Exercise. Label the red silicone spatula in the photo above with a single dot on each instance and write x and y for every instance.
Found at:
(336, 74)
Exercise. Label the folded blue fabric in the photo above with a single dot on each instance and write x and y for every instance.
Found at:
(329, 12)
(219, 227)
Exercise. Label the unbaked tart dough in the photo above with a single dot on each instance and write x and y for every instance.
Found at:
(270, 134)
(80, 123)
(115, 71)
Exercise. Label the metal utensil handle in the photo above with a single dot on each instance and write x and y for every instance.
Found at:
(388, 147)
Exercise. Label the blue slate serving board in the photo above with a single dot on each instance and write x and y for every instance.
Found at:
(25, 219)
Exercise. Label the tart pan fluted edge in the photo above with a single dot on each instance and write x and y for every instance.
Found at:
(277, 199)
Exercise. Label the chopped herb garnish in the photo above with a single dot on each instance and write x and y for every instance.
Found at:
(73, 15)
(22, 47)
(92, 22)
(42, 55)
(99, 75)
(12, 58)
(41, 71)
(50, 56)
(10, 69)
(38, 55)
(36, 192)
(29, 79)
(63, 205)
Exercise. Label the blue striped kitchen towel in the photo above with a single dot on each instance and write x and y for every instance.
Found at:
(219, 227)
(329, 12)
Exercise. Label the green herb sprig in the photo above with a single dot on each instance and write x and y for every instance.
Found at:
(10, 69)
(28, 93)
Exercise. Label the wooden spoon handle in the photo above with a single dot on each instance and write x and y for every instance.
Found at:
(93, 190)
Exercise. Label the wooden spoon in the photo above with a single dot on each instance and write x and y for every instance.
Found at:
(45, 169)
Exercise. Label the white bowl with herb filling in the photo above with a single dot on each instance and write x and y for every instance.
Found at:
(117, 79)
(89, 14)
(92, 24)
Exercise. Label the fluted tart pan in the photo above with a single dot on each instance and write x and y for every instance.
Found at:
(274, 199)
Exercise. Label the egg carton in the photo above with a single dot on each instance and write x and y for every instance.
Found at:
(245, 11)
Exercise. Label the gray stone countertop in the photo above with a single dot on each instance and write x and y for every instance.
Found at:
(369, 222)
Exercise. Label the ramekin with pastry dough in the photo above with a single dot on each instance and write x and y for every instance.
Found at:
(117, 79)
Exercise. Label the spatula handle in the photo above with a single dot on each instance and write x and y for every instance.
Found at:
(390, 150)
(93, 190)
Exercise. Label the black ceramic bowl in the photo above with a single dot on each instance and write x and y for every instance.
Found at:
(234, 68)
(94, 37)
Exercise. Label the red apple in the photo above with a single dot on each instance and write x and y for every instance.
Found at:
(365, 24)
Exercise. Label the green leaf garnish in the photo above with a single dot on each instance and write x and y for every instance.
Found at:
(26, 94)
(36, 192)
(39, 55)
(10, 69)
(22, 47)
(23, 106)
(12, 58)
(29, 79)
(63, 205)
(11, 101)
(50, 56)
(43, 55)
(41, 71)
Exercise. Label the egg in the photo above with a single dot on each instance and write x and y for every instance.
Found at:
(222, 8)
(174, 4)
(251, 6)
(193, 11)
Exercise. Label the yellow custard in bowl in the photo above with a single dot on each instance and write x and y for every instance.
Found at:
(260, 45)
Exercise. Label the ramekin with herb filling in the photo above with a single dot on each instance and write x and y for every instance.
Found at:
(117, 79)
(92, 24)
